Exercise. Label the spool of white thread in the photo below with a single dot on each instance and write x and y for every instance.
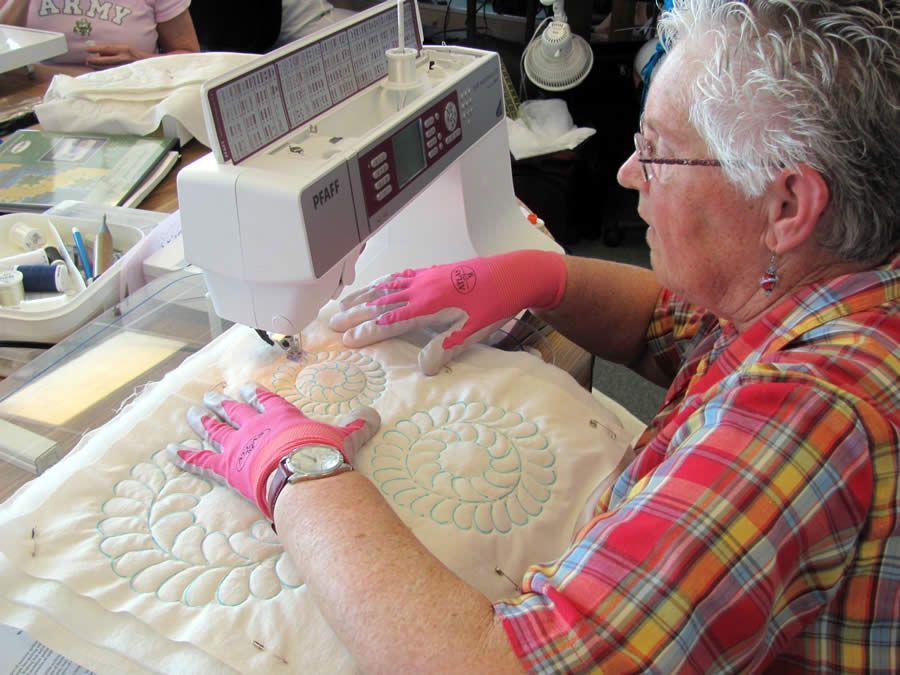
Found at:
(35, 257)
(12, 290)
(26, 237)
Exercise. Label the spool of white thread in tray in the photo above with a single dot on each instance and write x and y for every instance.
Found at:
(26, 237)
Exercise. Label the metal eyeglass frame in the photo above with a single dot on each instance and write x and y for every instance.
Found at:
(643, 155)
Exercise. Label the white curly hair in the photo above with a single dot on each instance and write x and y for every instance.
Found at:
(815, 82)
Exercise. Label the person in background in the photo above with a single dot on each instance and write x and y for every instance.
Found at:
(649, 58)
(106, 34)
(273, 23)
(758, 527)
(300, 18)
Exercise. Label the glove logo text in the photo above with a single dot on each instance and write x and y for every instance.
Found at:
(463, 279)
(248, 449)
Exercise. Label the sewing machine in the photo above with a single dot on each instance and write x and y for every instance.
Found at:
(343, 157)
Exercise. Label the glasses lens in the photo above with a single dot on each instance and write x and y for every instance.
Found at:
(640, 145)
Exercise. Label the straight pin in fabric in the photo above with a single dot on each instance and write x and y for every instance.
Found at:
(501, 573)
(33, 542)
(261, 647)
(609, 432)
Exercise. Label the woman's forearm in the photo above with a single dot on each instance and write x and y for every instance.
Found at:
(607, 309)
(393, 604)
(14, 12)
(178, 35)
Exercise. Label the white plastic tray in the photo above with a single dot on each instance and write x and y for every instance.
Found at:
(24, 46)
(50, 317)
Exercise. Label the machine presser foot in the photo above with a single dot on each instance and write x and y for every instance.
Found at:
(291, 344)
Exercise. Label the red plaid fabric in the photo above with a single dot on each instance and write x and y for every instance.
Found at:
(759, 526)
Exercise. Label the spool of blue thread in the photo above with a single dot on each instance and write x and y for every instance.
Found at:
(44, 278)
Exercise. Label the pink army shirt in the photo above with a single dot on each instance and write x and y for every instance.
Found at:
(88, 22)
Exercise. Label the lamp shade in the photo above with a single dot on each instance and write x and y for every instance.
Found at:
(558, 60)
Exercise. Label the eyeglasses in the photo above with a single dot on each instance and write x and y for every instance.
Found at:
(647, 160)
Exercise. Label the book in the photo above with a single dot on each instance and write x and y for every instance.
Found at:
(154, 178)
(39, 169)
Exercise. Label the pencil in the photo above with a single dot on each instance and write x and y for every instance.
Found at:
(103, 249)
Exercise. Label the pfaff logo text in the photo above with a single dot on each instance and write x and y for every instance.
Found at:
(326, 193)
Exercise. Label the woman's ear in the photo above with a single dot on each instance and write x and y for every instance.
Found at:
(796, 202)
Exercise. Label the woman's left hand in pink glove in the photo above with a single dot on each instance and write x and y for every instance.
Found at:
(466, 300)
(250, 438)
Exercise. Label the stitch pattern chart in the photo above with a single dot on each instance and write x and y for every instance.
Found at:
(330, 383)
(472, 466)
(151, 534)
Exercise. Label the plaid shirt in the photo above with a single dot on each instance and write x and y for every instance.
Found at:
(759, 525)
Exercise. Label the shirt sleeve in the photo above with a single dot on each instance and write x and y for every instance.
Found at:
(166, 10)
(716, 557)
(675, 327)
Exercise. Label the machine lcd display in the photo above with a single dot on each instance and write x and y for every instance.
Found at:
(409, 153)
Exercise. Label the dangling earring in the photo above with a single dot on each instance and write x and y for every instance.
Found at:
(768, 280)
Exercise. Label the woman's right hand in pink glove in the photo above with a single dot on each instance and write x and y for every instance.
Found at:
(250, 437)
(468, 300)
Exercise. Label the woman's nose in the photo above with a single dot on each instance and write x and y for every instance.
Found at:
(630, 174)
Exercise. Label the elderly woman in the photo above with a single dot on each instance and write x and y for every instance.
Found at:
(758, 526)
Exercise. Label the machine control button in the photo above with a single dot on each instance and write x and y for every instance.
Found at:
(377, 159)
(382, 182)
(432, 153)
(380, 196)
(431, 142)
(429, 121)
(380, 171)
(451, 116)
(430, 132)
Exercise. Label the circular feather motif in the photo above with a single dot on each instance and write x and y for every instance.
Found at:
(472, 466)
(330, 383)
(150, 533)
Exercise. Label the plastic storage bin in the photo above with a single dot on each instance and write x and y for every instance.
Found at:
(49, 317)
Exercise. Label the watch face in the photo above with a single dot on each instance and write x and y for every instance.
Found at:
(314, 459)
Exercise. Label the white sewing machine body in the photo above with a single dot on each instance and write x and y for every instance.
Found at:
(420, 173)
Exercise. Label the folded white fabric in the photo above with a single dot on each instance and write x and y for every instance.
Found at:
(137, 97)
(544, 126)
(489, 463)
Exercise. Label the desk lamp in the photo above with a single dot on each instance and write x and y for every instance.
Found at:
(555, 59)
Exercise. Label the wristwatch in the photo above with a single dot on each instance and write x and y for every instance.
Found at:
(307, 462)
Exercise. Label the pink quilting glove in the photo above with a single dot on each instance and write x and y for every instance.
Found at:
(468, 300)
(250, 438)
